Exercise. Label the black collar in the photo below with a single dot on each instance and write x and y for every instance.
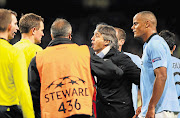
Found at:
(151, 37)
(58, 41)
(111, 52)
(3, 38)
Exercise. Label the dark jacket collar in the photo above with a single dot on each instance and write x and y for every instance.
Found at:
(58, 41)
(151, 37)
(111, 52)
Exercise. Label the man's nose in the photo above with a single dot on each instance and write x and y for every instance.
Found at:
(92, 39)
(132, 27)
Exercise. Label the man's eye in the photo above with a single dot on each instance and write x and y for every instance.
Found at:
(135, 23)
(97, 35)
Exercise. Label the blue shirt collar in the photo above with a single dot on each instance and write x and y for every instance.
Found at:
(104, 52)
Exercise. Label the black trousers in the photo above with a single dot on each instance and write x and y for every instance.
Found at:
(10, 112)
(114, 110)
(79, 116)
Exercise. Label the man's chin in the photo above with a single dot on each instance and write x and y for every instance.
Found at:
(136, 37)
(38, 42)
(10, 37)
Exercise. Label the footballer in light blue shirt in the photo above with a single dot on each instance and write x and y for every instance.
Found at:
(156, 53)
(157, 84)
(169, 37)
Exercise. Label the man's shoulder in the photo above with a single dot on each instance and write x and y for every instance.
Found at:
(157, 43)
(175, 59)
(120, 57)
(23, 43)
(11, 49)
(19, 44)
(36, 47)
(132, 55)
(157, 40)
(83, 46)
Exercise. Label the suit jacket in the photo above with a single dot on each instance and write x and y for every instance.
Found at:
(114, 97)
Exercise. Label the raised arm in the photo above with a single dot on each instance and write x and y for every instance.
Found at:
(104, 68)
(131, 71)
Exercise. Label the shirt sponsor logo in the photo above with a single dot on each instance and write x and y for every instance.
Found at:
(156, 59)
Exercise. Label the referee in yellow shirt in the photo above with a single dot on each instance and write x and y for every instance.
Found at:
(14, 88)
(31, 27)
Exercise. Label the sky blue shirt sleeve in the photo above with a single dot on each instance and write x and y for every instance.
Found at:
(158, 55)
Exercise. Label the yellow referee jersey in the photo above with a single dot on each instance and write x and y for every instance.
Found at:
(14, 87)
(30, 49)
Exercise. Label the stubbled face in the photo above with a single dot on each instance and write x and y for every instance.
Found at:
(13, 27)
(97, 41)
(138, 26)
(39, 33)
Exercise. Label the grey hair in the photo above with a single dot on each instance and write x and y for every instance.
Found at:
(60, 28)
(109, 34)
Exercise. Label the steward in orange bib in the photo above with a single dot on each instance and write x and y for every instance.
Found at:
(60, 76)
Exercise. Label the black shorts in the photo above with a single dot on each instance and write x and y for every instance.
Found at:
(10, 112)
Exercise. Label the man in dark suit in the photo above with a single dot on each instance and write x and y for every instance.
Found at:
(114, 97)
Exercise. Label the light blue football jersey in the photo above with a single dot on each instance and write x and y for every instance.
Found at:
(156, 53)
(176, 73)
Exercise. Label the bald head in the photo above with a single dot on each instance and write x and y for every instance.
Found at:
(144, 25)
(148, 16)
(61, 28)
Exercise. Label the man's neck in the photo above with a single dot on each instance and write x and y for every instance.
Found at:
(4, 35)
(103, 52)
(148, 34)
(99, 50)
(28, 37)
(120, 48)
(172, 52)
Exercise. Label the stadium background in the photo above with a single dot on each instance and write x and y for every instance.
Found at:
(85, 14)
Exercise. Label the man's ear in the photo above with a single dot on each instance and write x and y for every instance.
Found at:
(33, 30)
(121, 41)
(9, 27)
(70, 36)
(107, 42)
(174, 47)
(147, 24)
(52, 37)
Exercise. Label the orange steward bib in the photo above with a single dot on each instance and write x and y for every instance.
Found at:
(66, 83)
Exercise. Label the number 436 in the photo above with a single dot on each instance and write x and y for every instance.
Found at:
(76, 105)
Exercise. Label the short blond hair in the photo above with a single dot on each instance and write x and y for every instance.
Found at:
(29, 21)
(5, 18)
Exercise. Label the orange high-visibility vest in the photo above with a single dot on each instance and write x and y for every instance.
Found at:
(66, 83)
